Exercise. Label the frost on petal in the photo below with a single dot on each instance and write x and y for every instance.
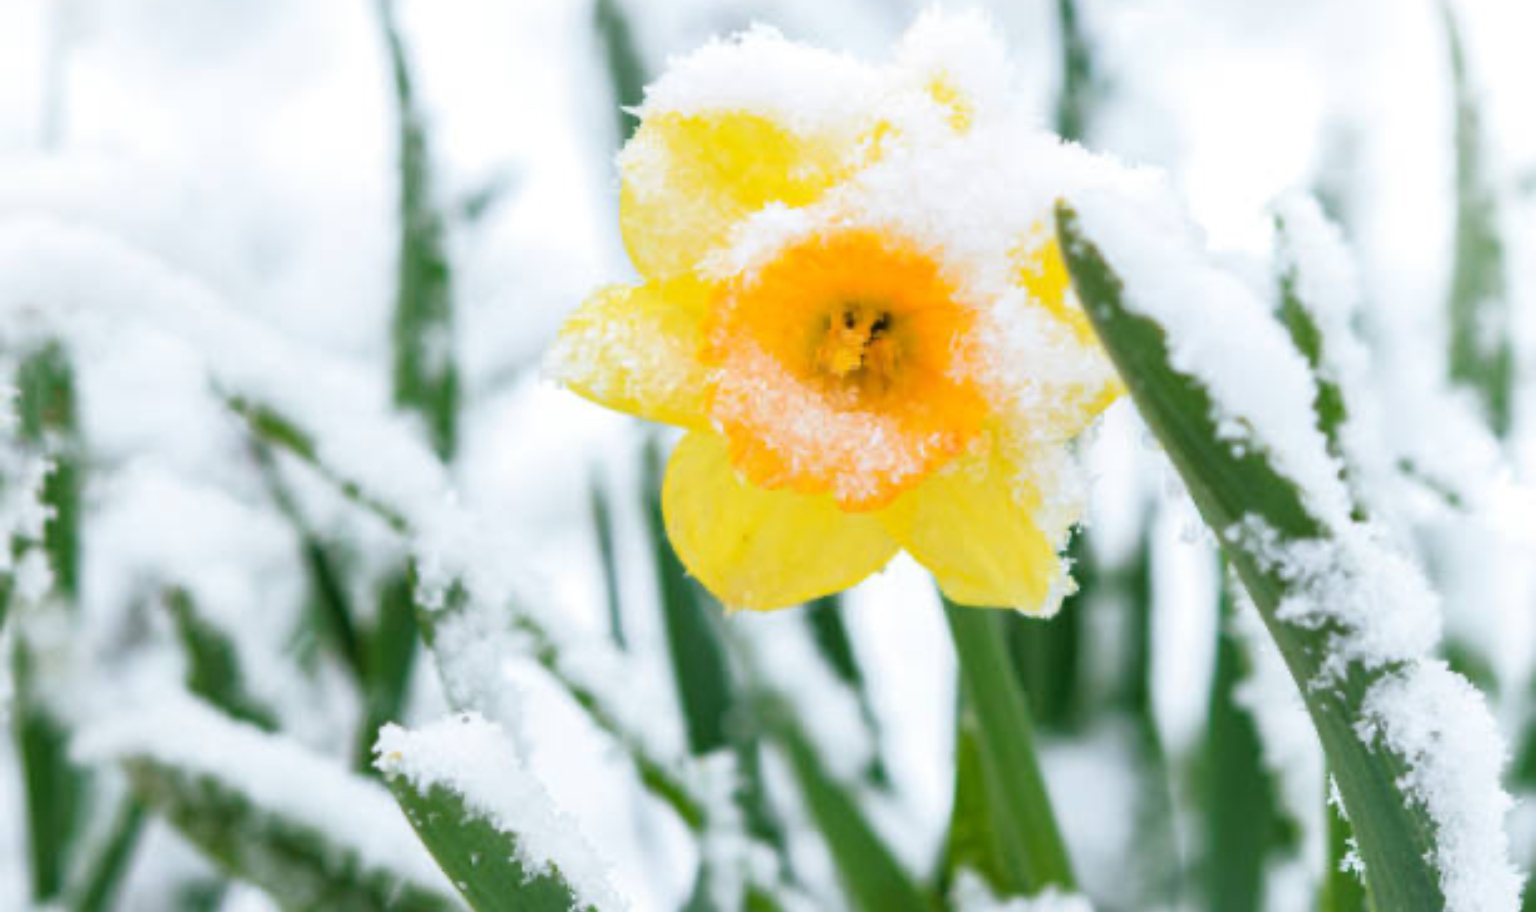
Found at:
(958, 61)
(635, 349)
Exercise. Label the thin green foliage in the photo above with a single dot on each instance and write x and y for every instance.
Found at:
(1396, 835)
(303, 869)
(602, 528)
(426, 376)
(1482, 350)
(391, 658)
(829, 631)
(55, 789)
(102, 880)
(873, 879)
(626, 73)
(213, 663)
(1244, 824)
(1033, 851)
(699, 663)
(481, 860)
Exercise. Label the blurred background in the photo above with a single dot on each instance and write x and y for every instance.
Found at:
(256, 151)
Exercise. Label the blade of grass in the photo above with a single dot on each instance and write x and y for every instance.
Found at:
(715, 715)
(972, 842)
(300, 867)
(1033, 848)
(1243, 821)
(699, 664)
(1395, 832)
(426, 376)
(437, 776)
(213, 663)
(1079, 88)
(1482, 351)
(55, 791)
(657, 774)
(391, 657)
(830, 634)
(1342, 890)
(103, 878)
(626, 74)
(872, 878)
(602, 526)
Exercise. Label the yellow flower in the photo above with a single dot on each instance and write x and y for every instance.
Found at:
(849, 301)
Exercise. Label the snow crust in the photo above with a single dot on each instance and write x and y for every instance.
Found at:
(472, 758)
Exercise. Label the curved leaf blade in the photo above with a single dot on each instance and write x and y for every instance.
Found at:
(1395, 832)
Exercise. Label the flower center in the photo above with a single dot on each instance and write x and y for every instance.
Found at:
(859, 347)
(841, 368)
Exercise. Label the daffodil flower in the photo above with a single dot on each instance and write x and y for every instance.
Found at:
(849, 300)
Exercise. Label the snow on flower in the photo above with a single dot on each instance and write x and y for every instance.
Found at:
(849, 299)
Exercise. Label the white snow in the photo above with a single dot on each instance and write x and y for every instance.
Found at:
(1219, 332)
(475, 760)
(1440, 724)
(177, 731)
(970, 894)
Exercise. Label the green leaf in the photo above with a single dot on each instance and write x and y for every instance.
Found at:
(331, 607)
(602, 527)
(1482, 352)
(103, 878)
(391, 656)
(715, 716)
(302, 868)
(1342, 890)
(55, 788)
(1396, 835)
(824, 617)
(1033, 850)
(47, 408)
(426, 377)
(872, 877)
(699, 665)
(481, 860)
(972, 842)
(1244, 825)
(626, 74)
(657, 774)
(213, 663)
(1079, 83)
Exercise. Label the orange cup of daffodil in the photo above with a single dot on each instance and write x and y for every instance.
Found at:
(849, 300)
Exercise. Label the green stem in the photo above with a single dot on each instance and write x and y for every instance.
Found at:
(1026, 824)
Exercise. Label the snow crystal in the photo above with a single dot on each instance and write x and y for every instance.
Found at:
(273, 772)
(475, 760)
(1440, 724)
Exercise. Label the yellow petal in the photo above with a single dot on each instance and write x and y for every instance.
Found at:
(635, 348)
(761, 549)
(972, 525)
(1043, 273)
(687, 178)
